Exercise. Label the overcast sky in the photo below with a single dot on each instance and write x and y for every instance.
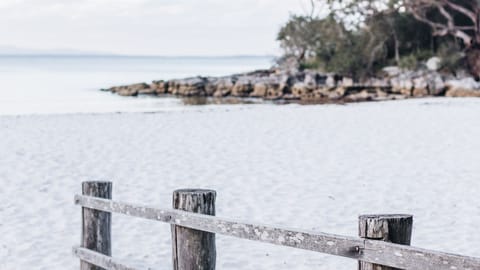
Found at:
(147, 27)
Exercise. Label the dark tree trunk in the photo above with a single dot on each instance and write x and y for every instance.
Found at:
(473, 61)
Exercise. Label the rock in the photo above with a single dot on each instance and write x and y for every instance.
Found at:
(310, 80)
(211, 86)
(187, 87)
(337, 93)
(330, 82)
(277, 86)
(433, 63)
(243, 87)
(315, 97)
(381, 93)
(420, 87)
(259, 90)
(127, 92)
(465, 83)
(275, 90)
(420, 92)
(347, 82)
(300, 89)
(402, 84)
(130, 90)
(363, 95)
(160, 87)
(436, 85)
(420, 83)
(462, 92)
(223, 87)
(311, 85)
(147, 91)
(377, 83)
(392, 71)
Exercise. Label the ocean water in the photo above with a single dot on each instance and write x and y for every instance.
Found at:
(41, 84)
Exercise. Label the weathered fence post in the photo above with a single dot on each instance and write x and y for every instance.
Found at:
(391, 228)
(193, 249)
(96, 224)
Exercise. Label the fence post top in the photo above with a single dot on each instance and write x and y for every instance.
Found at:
(199, 191)
(96, 182)
(385, 216)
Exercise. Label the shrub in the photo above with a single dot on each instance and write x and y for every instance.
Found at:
(408, 62)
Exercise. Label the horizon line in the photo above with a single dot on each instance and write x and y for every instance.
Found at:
(133, 55)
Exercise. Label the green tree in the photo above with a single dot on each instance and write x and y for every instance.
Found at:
(455, 18)
(299, 37)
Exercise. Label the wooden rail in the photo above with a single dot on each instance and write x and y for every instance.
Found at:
(375, 252)
(104, 261)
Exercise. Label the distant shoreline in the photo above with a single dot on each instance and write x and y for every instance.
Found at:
(23, 55)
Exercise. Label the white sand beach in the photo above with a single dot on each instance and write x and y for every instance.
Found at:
(309, 167)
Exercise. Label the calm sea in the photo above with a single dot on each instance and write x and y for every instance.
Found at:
(70, 84)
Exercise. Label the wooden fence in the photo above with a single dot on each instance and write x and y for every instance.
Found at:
(383, 243)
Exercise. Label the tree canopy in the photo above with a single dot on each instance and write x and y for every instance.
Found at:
(359, 36)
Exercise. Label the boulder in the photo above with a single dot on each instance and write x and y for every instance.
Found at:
(187, 87)
(160, 87)
(316, 96)
(420, 92)
(301, 89)
(277, 85)
(275, 90)
(147, 91)
(311, 80)
(465, 83)
(259, 90)
(436, 85)
(330, 81)
(336, 93)
(392, 71)
(363, 95)
(223, 87)
(381, 93)
(462, 92)
(377, 83)
(130, 90)
(347, 82)
(402, 84)
(420, 87)
(243, 87)
(211, 86)
(433, 63)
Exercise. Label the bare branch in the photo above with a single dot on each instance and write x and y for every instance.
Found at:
(419, 9)
(312, 6)
(471, 15)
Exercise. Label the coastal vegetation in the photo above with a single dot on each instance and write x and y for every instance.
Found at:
(359, 37)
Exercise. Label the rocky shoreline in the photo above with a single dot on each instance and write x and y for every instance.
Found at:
(308, 86)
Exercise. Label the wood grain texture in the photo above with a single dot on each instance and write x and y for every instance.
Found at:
(373, 251)
(193, 249)
(104, 261)
(390, 228)
(96, 225)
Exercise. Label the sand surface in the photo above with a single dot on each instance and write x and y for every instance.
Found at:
(311, 167)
